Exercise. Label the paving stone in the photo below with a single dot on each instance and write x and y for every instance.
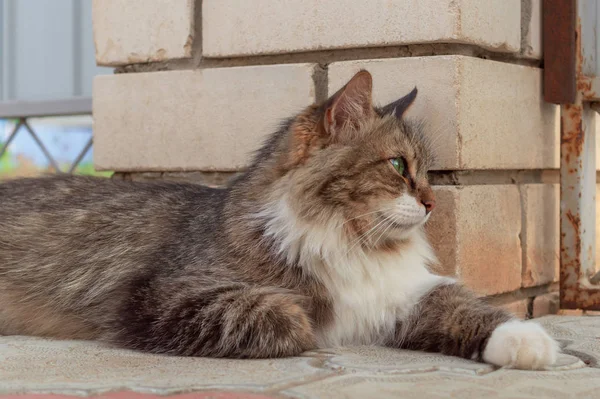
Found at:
(72, 367)
(580, 335)
(34, 366)
(384, 360)
(136, 395)
(580, 383)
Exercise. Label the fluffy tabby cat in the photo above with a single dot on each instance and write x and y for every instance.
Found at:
(320, 243)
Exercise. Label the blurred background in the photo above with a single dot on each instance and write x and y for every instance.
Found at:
(47, 66)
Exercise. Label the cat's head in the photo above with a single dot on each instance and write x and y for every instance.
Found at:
(350, 168)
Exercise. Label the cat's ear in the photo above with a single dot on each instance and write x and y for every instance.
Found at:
(399, 107)
(350, 105)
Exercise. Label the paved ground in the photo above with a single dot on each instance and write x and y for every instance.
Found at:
(40, 367)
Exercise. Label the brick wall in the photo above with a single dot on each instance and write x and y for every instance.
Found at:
(195, 78)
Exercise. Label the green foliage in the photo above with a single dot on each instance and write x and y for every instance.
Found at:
(87, 168)
(24, 167)
(6, 160)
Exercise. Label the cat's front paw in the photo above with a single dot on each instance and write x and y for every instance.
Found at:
(522, 345)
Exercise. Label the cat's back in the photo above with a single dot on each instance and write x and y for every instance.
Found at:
(85, 218)
(56, 193)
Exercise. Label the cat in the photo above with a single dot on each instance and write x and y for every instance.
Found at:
(320, 243)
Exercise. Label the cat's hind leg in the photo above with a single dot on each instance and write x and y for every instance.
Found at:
(228, 321)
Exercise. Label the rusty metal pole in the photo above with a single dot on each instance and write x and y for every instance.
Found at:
(566, 83)
(578, 207)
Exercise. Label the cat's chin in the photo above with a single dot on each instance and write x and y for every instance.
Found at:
(403, 232)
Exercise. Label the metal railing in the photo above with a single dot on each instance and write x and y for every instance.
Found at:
(23, 110)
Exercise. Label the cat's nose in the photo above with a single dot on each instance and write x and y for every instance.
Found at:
(429, 205)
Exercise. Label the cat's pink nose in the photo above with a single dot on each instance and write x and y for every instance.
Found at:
(429, 205)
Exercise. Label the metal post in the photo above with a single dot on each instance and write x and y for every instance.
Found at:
(578, 207)
(571, 81)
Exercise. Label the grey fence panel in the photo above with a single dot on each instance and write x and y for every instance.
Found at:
(47, 50)
(47, 66)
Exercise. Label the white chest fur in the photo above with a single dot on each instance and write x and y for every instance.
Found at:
(371, 294)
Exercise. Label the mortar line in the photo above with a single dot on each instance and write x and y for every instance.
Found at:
(328, 373)
(523, 233)
(526, 14)
(436, 177)
(520, 294)
(327, 56)
(320, 79)
(197, 29)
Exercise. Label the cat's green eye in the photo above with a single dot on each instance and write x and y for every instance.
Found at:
(399, 164)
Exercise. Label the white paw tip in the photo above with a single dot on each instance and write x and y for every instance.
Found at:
(522, 345)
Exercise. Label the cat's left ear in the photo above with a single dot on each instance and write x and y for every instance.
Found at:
(399, 107)
(351, 105)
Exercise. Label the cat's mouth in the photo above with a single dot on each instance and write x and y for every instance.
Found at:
(393, 224)
(397, 225)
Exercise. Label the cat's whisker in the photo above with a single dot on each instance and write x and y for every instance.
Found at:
(369, 213)
(435, 137)
(381, 226)
(363, 237)
(390, 224)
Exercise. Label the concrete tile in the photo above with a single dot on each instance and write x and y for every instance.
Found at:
(577, 334)
(71, 367)
(504, 383)
(375, 359)
(29, 366)
(136, 395)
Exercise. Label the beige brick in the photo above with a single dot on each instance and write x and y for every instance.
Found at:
(541, 233)
(578, 312)
(518, 308)
(137, 31)
(475, 232)
(570, 312)
(480, 114)
(239, 28)
(598, 227)
(546, 304)
(597, 130)
(594, 313)
(531, 19)
(207, 119)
